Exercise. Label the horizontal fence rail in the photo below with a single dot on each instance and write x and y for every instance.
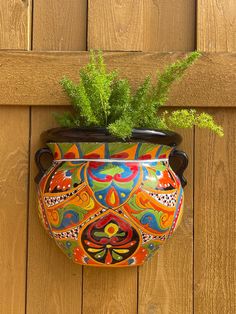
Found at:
(32, 78)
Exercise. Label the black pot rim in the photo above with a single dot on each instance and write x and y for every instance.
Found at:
(101, 135)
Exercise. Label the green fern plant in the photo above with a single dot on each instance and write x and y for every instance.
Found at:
(101, 98)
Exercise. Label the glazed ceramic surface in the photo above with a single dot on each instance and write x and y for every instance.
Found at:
(110, 204)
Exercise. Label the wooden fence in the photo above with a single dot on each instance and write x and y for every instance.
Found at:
(195, 271)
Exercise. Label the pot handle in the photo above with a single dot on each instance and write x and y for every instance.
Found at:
(37, 158)
(182, 163)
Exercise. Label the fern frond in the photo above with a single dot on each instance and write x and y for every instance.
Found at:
(121, 128)
(139, 108)
(80, 101)
(171, 73)
(97, 84)
(65, 119)
(102, 99)
(187, 118)
(119, 99)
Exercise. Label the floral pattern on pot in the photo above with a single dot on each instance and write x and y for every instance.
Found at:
(110, 204)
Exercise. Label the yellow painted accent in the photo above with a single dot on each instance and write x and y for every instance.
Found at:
(94, 250)
(121, 250)
(112, 198)
(90, 204)
(111, 225)
(84, 200)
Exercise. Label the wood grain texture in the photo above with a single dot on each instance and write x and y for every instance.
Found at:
(215, 203)
(13, 207)
(54, 282)
(55, 285)
(165, 283)
(110, 291)
(115, 25)
(14, 24)
(216, 25)
(210, 82)
(168, 25)
(14, 137)
(139, 25)
(215, 218)
(59, 25)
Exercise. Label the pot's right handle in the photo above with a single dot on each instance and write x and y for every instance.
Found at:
(37, 158)
(182, 163)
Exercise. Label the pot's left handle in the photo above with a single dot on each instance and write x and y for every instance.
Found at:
(179, 161)
(37, 158)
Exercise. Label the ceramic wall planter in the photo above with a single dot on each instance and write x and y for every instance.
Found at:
(110, 203)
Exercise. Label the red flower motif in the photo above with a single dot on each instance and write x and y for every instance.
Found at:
(61, 180)
(166, 180)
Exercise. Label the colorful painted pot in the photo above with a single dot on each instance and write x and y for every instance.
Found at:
(110, 203)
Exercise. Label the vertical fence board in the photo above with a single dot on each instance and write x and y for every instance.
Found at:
(165, 283)
(216, 27)
(214, 221)
(59, 25)
(111, 290)
(54, 282)
(14, 24)
(14, 137)
(55, 285)
(141, 25)
(115, 25)
(168, 25)
(215, 218)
